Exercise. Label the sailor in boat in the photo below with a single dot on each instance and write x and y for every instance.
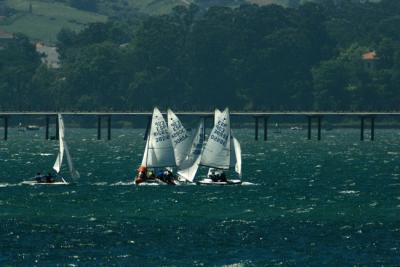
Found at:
(142, 175)
(166, 176)
(38, 177)
(216, 175)
(50, 178)
(145, 175)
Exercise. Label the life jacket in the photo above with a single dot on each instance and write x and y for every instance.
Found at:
(142, 169)
(138, 180)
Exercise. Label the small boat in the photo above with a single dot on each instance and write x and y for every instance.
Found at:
(158, 154)
(20, 128)
(296, 128)
(58, 179)
(32, 128)
(188, 167)
(277, 129)
(221, 152)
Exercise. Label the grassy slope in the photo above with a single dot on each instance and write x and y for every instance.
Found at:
(153, 6)
(268, 2)
(46, 19)
(156, 7)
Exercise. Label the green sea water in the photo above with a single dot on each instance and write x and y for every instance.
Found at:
(306, 203)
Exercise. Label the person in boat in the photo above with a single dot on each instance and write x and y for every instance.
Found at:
(38, 177)
(217, 175)
(169, 177)
(142, 175)
(222, 177)
(166, 176)
(151, 175)
(50, 178)
(160, 175)
(211, 175)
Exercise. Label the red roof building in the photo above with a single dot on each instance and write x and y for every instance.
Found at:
(370, 59)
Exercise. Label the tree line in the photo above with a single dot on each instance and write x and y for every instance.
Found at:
(249, 58)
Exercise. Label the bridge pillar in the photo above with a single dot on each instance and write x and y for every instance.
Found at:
(256, 128)
(109, 127)
(309, 127)
(57, 128)
(146, 133)
(319, 127)
(98, 127)
(372, 128)
(5, 128)
(47, 127)
(265, 128)
(362, 129)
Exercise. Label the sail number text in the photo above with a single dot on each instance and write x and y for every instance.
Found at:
(219, 134)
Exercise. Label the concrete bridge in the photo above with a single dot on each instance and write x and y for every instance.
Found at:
(256, 115)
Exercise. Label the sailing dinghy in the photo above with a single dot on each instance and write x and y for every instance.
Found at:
(59, 180)
(188, 167)
(187, 147)
(221, 152)
(180, 138)
(158, 153)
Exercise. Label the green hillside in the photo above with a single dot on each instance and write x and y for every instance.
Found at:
(157, 6)
(45, 19)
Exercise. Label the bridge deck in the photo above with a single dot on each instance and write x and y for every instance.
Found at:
(201, 113)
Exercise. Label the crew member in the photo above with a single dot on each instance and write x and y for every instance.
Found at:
(142, 175)
(38, 177)
(49, 178)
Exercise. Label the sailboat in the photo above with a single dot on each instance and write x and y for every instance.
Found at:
(188, 167)
(187, 148)
(46, 180)
(222, 151)
(277, 128)
(180, 138)
(159, 152)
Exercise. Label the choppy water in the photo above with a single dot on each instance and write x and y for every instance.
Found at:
(334, 202)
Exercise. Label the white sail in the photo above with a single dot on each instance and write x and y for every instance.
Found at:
(237, 151)
(58, 163)
(189, 166)
(179, 137)
(63, 148)
(74, 173)
(216, 153)
(159, 151)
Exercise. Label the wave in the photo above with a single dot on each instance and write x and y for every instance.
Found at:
(45, 154)
(121, 183)
(249, 183)
(8, 185)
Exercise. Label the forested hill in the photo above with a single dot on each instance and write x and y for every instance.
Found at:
(337, 55)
